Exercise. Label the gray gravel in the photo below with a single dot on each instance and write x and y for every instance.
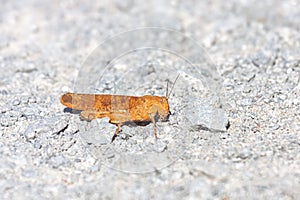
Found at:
(46, 153)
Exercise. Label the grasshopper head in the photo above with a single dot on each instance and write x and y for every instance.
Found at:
(163, 108)
(157, 107)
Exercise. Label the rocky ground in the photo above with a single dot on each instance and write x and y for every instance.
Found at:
(248, 77)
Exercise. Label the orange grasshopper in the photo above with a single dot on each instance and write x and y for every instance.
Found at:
(120, 110)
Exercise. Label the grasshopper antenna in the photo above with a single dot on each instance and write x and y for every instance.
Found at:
(168, 94)
(167, 88)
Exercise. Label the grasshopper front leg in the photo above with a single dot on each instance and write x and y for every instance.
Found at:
(154, 116)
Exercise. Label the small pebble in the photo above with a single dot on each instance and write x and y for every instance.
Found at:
(16, 102)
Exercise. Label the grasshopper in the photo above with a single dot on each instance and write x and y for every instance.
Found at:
(121, 110)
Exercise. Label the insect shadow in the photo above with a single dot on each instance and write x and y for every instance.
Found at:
(72, 111)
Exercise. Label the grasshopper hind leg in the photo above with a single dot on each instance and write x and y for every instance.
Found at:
(118, 130)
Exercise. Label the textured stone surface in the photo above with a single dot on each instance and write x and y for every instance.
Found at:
(256, 49)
